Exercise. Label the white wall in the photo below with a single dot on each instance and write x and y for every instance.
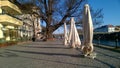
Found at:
(1, 32)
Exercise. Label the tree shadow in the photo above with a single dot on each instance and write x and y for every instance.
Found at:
(111, 49)
(47, 47)
(80, 65)
(39, 44)
(50, 54)
(50, 44)
(111, 66)
(108, 55)
(8, 54)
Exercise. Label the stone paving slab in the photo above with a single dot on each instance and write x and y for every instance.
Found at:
(54, 55)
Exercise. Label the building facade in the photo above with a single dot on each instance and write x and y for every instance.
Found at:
(105, 28)
(26, 30)
(38, 28)
(117, 28)
(30, 26)
(9, 24)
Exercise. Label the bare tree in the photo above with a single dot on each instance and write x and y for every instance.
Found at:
(56, 12)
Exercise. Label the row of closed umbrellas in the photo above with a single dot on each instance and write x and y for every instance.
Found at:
(73, 40)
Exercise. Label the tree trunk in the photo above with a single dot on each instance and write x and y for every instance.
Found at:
(49, 31)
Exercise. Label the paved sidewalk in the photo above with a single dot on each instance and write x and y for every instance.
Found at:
(54, 55)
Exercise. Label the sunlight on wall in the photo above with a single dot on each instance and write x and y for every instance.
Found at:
(1, 32)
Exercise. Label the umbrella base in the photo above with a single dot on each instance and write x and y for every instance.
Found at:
(87, 49)
(92, 55)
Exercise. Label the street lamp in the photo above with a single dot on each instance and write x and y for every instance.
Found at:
(116, 40)
(99, 39)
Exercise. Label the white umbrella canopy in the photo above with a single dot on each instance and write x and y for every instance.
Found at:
(74, 39)
(70, 32)
(87, 31)
(65, 35)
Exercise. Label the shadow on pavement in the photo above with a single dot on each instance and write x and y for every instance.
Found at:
(111, 66)
(44, 53)
(107, 55)
(8, 54)
(108, 48)
(81, 65)
(46, 47)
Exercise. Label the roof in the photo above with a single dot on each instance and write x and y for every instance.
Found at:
(105, 26)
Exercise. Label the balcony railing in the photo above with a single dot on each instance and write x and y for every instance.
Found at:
(9, 7)
(9, 20)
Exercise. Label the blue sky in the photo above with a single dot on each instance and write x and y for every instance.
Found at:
(111, 10)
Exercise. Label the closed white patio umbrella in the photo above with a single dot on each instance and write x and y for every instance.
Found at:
(70, 32)
(65, 35)
(87, 31)
(74, 40)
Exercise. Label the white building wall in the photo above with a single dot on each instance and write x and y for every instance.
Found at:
(1, 32)
(105, 29)
(111, 29)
